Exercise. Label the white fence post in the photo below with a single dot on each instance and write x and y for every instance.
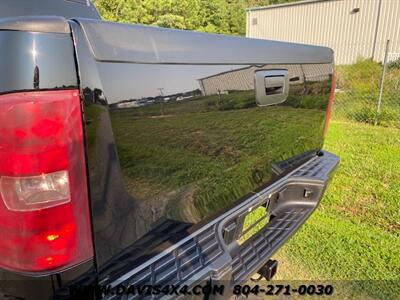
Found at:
(378, 111)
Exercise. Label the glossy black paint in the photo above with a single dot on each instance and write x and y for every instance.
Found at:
(132, 43)
(171, 145)
(45, 24)
(29, 61)
(65, 8)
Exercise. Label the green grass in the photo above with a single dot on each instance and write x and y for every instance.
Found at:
(253, 222)
(216, 155)
(355, 232)
(234, 100)
(359, 86)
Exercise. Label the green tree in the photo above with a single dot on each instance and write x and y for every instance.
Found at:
(171, 21)
(217, 16)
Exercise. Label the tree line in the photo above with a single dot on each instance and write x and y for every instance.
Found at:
(215, 16)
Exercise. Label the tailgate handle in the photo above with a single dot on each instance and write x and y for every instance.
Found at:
(272, 86)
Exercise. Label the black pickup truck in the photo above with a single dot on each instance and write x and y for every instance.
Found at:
(136, 156)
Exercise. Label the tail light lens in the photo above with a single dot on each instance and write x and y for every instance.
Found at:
(330, 104)
(44, 209)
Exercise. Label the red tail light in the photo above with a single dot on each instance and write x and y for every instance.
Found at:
(44, 210)
(330, 104)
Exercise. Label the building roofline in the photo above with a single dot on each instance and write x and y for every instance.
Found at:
(225, 72)
(286, 4)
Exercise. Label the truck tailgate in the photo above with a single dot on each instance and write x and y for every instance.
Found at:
(186, 128)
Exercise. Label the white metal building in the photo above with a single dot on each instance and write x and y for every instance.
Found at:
(352, 28)
(242, 79)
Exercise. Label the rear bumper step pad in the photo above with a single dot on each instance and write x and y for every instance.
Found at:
(206, 255)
